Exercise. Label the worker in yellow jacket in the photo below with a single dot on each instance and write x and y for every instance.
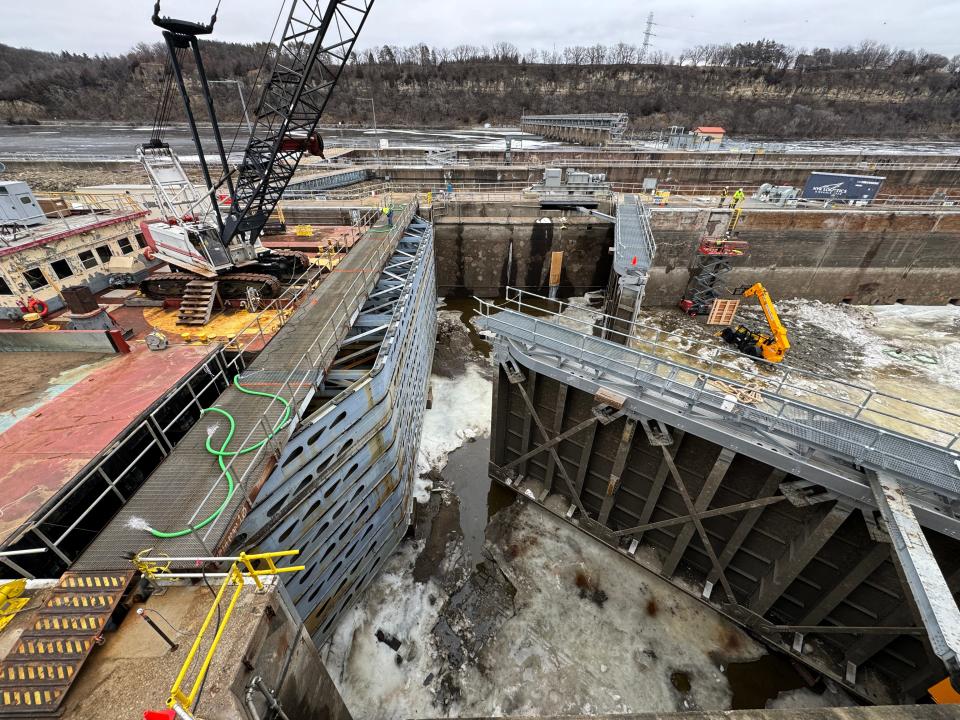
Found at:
(738, 197)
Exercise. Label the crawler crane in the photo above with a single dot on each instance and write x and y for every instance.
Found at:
(213, 236)
(770, 347)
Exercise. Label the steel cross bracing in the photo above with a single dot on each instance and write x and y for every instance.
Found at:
(818, 443)
(315, 46)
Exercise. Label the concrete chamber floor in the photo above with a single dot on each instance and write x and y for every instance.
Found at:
(497, 607)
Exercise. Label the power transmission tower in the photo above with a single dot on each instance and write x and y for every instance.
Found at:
(647, 34)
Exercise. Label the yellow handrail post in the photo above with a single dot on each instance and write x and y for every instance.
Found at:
(241, 568)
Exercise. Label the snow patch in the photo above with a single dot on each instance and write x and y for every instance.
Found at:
(365, 670)
(804, 698)
(460, 412)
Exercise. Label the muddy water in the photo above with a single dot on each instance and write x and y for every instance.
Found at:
(479, 499)
(755, 683)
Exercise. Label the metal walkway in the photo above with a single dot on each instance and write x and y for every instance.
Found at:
(870, 432)
(189, 485)
(633, 245)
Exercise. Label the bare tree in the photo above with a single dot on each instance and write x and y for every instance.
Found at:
(575, 54)
(623, 54)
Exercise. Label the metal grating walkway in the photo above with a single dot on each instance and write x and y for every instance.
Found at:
(35, 676)
(189, 486)
(925, 465)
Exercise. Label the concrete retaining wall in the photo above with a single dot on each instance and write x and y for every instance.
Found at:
(863, 257)
(479, 255)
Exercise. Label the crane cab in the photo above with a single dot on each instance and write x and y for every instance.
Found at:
(193, 246)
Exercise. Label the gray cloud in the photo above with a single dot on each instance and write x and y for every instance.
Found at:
(108, 26)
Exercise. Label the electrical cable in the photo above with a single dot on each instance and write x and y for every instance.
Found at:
(224, 453)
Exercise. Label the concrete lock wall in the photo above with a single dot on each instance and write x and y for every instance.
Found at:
(857, 256)
(480, 255)
(862, 257)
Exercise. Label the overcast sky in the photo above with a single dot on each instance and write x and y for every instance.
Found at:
(113, 26)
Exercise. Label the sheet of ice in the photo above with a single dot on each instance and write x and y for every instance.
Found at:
(460, 411)
(804, 698)
(364, 669)
(851, 322)
(562, 652)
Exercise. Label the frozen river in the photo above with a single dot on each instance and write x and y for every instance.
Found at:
(74, 140)
(70, 140)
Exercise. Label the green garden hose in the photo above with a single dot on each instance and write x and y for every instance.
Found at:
(223, 453)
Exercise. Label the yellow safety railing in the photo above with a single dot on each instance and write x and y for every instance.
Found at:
(243, 567)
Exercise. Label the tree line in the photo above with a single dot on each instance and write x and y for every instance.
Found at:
(868, 55)
(761, 89)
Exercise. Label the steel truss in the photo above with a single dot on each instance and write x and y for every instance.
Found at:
(315, 47)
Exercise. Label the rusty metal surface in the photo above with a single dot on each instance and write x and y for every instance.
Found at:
(35, 676)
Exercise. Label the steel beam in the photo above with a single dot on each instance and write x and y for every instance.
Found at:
(796, 557)
(659, 480)
(552, 442)
(747, 522)
(863, 569)
(528, 420)
(500, 411)
(692, 511)
(586, 453)
(546, 436)
(557, 427)
(704, 498)
(619, 462)
(759, 503)
(922, 572)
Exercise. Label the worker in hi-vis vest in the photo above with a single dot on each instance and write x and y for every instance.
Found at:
(738, 197)
(723, 196)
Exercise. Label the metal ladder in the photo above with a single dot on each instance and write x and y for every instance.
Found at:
(196, 307)
(43, 663)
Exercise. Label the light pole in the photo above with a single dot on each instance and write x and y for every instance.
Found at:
(243, 102)
(376, 139)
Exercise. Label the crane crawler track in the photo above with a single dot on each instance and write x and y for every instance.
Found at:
(161, 286)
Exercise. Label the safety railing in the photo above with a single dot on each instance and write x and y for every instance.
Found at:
(55, 529)
(302, 377)
(903, 431)
(76, 212)
(184, 692)
(694, 195)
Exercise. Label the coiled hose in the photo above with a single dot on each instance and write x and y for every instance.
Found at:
(224, 453)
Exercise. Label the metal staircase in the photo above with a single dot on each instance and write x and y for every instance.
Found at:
(196, 307)
(44, 662)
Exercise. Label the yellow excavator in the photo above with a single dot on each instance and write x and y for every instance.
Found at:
(770, 347)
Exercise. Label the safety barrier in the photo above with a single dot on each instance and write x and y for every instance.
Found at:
(870, 426)
(242, 568)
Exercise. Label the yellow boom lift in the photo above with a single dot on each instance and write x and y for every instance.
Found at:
(770, 347)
